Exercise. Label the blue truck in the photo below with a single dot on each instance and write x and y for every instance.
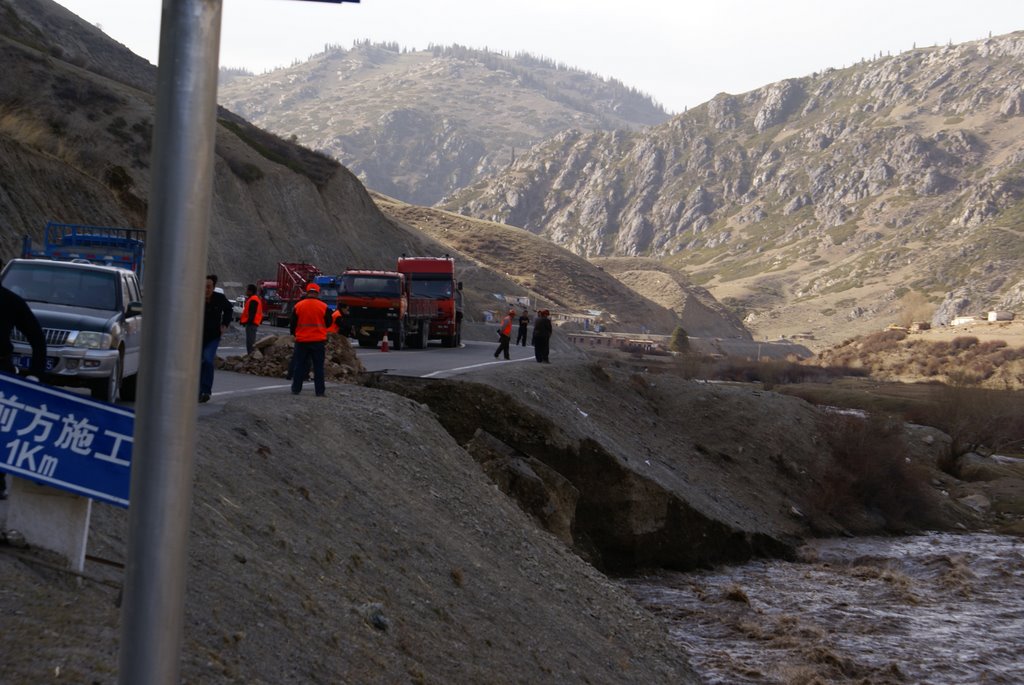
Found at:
(330, 288)
(83, 283)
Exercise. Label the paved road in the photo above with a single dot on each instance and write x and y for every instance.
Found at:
(433, 362)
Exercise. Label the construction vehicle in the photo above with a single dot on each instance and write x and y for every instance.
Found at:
(120, 247)
(280, 295)
(330, 287)
(432, 287)
(411, 305)
(83, 285)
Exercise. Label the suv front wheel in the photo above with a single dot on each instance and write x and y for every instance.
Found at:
(106, 389)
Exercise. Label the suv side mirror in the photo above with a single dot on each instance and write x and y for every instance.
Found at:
(134, 309)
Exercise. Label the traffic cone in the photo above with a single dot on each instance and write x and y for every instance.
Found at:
(384, 343)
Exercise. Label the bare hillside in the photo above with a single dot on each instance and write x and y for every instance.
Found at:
(551, 274)
(418, 124)
(814, 204)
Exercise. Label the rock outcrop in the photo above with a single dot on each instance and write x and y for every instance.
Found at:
(803, 196)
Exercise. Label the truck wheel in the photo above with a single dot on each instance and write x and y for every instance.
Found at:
(366, 341)
(106, 389)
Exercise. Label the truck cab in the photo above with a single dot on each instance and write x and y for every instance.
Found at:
(330, 288)
(432, 291)
(377, 302)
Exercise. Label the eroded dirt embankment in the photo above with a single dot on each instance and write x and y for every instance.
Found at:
(636, 470)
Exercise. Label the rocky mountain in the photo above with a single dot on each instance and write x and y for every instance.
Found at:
(815, 204)
(419, 124)
(76, 121)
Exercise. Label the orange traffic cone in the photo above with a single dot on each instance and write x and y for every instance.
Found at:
(384, 343)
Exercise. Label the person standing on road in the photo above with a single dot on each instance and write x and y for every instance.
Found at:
(15, 313)
(524, 322)
(542, 336)
(310, 320)
(252, 316)
(217, 315)
(339, 320)
(505, 334)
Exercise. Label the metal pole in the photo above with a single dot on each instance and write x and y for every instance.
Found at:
(152, 616)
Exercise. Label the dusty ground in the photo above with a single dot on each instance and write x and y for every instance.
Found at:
(343, 540)
(354, 539)
(1010, 332)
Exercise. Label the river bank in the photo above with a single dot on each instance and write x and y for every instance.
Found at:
(940, 608)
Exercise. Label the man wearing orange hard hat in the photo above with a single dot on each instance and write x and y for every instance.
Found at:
(311, 317)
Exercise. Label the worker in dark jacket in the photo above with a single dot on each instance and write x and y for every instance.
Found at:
(524, 322)
(311, 318)
(340, 321)
(15, 313)
(542, 336)
(252, 316)
(217, 315)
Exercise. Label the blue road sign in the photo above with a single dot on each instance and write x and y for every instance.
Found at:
(64, 440)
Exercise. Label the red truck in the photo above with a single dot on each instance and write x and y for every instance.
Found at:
(412, 305)
(280, 296)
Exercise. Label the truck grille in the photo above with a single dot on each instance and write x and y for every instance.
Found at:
(54, 336)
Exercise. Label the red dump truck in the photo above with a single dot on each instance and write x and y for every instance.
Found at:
(411, 305)
(279, 296)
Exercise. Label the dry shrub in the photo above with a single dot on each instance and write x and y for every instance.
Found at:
(30, 132)
(990, 346)
(974, 418)
(883, 341)
(772, 372)
(869, 479)
(38, 135)
(930, 367)
(962, 342)
(246, 171)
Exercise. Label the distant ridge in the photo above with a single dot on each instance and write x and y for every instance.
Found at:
(816, 204)
(419, 124)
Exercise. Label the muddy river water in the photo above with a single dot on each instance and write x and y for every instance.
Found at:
(938, 608)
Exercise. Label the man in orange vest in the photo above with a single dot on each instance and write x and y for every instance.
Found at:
(310, 320)
(505, 333)
(339, 321)
(252, 316)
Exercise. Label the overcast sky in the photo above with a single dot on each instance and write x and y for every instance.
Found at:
(681, 52)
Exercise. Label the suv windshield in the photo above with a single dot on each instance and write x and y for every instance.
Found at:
(41, 282)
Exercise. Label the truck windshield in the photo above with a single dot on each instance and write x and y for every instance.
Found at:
(41, 282)
(370, 286)
(329, 292)
(433, 287)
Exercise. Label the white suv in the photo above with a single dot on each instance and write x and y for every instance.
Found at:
(92, 318)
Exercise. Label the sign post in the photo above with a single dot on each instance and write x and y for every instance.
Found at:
(153, 613)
